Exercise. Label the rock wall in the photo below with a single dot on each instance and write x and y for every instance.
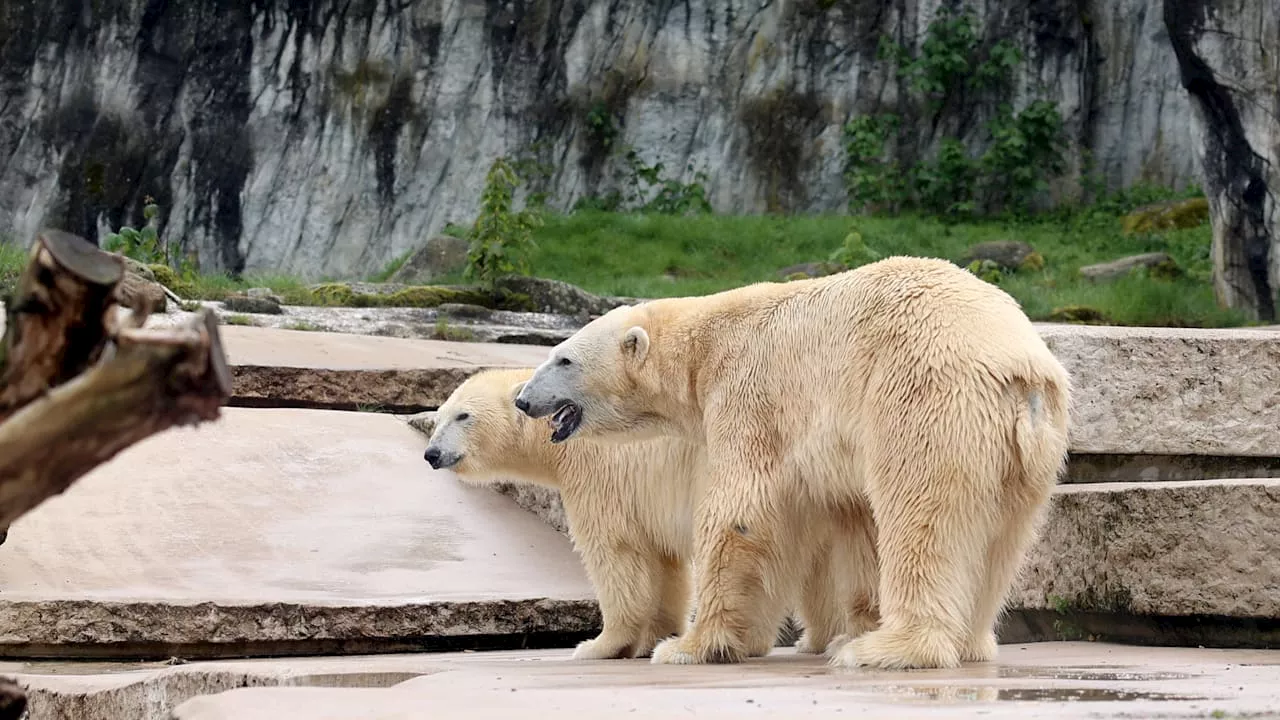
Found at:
(324, 138)
(1230, 66)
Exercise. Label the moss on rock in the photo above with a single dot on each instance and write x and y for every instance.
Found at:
(1078, 314)
(333, 294)
(417, 296)
(168, 277)
(1175, 215)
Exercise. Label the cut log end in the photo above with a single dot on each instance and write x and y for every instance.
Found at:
(82, 258)
(79, 384)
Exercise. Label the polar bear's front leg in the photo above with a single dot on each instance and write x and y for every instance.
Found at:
(628, 587)
(736, 559)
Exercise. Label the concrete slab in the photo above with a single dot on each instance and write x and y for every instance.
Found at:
(1060, 680)
(1169, 391)
(1196, 549)
(280, 526)
(298, 368)
(342, 351)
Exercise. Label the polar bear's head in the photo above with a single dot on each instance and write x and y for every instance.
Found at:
(477, 427)
(594, 384)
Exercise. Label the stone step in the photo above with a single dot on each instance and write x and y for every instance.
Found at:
(1055, 680)
(283, 531)
(1163, 391)
(1139, 392)
(297, 368)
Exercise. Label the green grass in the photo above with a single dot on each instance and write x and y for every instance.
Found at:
(662, 256)
(12, 260)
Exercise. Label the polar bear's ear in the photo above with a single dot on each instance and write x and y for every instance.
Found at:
(636, 343)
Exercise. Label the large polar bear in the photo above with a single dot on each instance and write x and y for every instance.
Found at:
(629, 508)
(908, 381)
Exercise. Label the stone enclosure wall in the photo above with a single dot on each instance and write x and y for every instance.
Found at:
(326, 138)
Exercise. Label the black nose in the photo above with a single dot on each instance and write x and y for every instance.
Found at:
(432, 456)
(522, 405)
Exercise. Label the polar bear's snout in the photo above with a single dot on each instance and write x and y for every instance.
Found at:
(441, 459)
(544, 394)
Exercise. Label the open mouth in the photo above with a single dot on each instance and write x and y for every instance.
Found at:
(565, 421)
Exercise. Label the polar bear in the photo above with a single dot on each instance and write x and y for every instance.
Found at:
(630, 509)
(908, 382)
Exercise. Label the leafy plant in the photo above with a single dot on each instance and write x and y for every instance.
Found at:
(1026, 149)
(854, 251)
(946, 186)
(672, 197)
(142, 244)
(951, 74)
(501, 236)
(874, 181)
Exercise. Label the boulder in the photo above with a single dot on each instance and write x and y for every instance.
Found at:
(137, 268)
(1171, 215)
(1159, 264)
(1010, 255)
(137, 291)
(810, 270)
(554, 296)
(252, 304)
(261, 292)
(440, 256)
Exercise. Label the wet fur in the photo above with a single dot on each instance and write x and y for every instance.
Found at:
(908, 384)
(630, 510)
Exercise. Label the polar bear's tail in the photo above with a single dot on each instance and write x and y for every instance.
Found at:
(1042, 424)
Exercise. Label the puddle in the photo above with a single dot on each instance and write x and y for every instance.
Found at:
(356, 679)
(1087, 674)
(953, 693)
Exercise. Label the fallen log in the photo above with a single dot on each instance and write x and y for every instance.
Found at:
(80, 380)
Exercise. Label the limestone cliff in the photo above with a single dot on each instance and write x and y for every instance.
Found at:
(326, 137)
(1230, 64)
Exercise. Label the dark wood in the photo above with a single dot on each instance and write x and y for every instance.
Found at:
(80, 380)
(56, 324)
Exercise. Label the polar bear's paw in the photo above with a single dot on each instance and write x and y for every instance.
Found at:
(696, 649)
(835, 644)
(672, 652)
(981, 648)
(808, 645)
(897, 650)
(603, 648)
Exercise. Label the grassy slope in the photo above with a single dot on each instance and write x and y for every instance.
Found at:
(653, 256)
(659, 255)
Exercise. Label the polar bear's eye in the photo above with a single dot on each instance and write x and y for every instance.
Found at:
(462, 416)
(564, 362)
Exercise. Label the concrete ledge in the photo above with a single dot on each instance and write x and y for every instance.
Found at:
(283, 531)
(1168, 393)
(304, 369)
(1206, 548)
(1172, 391)
(158, 630)
(265, 386)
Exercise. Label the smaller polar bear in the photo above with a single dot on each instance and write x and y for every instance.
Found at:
(908, 383)
(630, 511)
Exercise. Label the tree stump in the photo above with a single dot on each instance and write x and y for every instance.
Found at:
(80, 380)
